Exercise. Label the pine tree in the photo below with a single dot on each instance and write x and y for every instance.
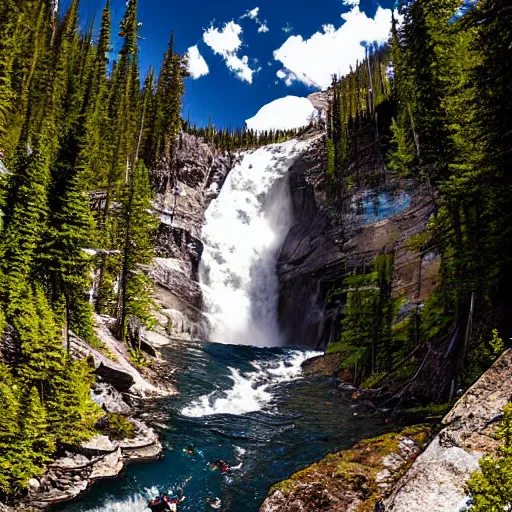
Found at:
(72, 416)
(25, 215)
(9, 428)
(401, 157)
(137, 224)
(41, 343)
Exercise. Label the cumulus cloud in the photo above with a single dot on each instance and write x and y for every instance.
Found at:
(287, 77)
(313, 61)
(226, 42)
(241, 68)
(351, 3)
(287, 28)
(196, 64)
(253, 15)
(284, 114)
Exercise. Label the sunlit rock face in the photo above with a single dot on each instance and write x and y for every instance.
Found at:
(199, 175)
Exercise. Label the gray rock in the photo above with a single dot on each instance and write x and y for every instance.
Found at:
(98, 445)
(109, 466)
(109, 371)
(107, 397)
(436, 480)
(34, 484)
(115, 376)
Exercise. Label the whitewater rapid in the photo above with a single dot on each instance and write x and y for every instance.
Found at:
(250, 391)
(245, 227)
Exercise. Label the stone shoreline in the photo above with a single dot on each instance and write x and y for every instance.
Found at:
(69, 476)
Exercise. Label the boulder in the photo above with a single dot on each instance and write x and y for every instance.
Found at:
(436, 481)
(107, 397)
(34, 484)
(109, 466)
(98, 445)
(114, 375)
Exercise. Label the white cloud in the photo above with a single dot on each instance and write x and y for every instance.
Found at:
(253, 15)
(196, 64)
(351, 3)
(287, 77)
(287, 28)
(240, 66)
(227, 42)
(284, 114)
(313, 61)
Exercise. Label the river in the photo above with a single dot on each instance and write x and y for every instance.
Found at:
(242, 398)
(248, 406)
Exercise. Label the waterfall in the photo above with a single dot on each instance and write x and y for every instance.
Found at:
(245, 227)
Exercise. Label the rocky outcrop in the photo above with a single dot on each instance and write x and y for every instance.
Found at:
(200, 173)
(117, 370)
(436, 480)
(351, 480)
(72, 474)
(109, 399)
(320, 100)
(328, 240)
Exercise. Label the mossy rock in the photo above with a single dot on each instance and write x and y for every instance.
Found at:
(349, 478)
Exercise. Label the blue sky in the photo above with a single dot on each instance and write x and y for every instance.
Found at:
(228, 99)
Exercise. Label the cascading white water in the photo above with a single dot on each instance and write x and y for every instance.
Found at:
(244, 229)
(253, 390)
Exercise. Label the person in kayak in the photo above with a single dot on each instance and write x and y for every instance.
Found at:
(214, 503)
(220, 465)
(163, 503)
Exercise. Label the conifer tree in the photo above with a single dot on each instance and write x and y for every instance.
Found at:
(137, 225)
(9, 427)
(72, 416)
(25, 215)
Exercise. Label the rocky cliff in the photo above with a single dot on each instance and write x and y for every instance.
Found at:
(435, 482)
(329, 240)
(200, 173)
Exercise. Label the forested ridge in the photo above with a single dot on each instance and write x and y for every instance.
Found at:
(435, 109)
(87, 142)
(71, 124)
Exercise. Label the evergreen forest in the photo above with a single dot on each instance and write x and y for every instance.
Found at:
(433, 107)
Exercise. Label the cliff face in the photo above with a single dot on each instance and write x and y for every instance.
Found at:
(327, 241)
(200, 173)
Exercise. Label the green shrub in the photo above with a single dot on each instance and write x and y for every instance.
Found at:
(491, 487)
(118, 427)
(138, 358)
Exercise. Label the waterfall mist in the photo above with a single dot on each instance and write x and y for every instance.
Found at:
(245, 227)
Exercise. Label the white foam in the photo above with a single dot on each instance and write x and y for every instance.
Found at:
(244, 229)
(134, 503)
(250, 391)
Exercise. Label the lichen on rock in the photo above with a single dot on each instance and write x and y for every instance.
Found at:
(351, 480)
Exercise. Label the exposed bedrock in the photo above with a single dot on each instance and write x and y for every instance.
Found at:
(326, 241)
(200, 173)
